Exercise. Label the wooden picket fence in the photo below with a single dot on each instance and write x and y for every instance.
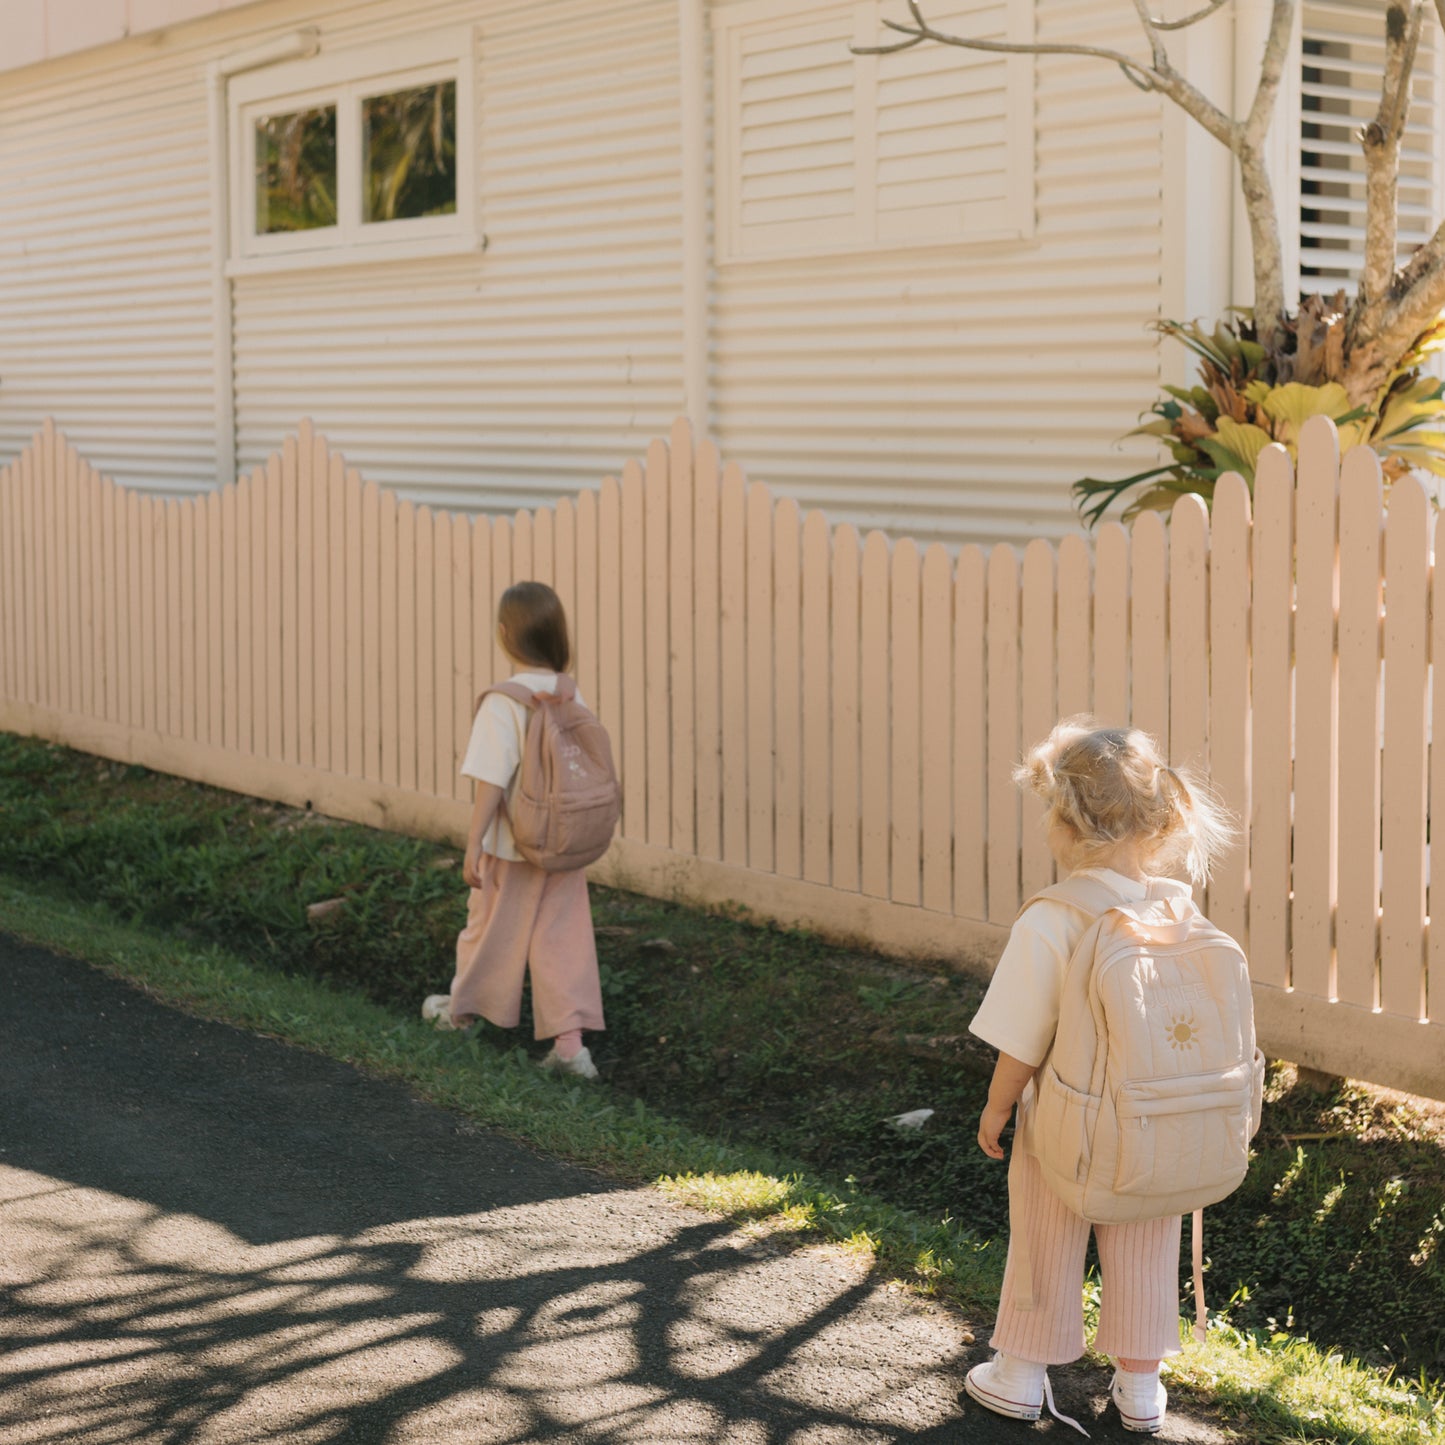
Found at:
(817, 725)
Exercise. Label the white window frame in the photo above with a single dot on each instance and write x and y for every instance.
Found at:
(344, 79)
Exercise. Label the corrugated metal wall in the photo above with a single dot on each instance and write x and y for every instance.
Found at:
(948, 391)
(956, 391)
(105, 277)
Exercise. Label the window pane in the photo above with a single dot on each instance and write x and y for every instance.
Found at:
(410, 159)
(296, 171)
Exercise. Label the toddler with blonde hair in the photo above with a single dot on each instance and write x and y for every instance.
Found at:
(1116, 812)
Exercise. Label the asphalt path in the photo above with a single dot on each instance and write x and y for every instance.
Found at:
(209, 1238)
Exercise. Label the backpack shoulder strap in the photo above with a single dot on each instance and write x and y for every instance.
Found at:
(513, 690)
(1090, 896)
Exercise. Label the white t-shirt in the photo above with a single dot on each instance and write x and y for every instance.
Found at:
(1020, 1012)
(494, 752)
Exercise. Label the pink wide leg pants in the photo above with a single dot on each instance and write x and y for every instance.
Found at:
(521, 916)
(1041, 1313)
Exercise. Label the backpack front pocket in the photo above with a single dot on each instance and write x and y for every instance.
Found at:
(1186, 1135)
(1063, 1123)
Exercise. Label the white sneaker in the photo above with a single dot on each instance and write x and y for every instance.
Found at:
(1008, 1386)
(436, 1009)
(1016, 1388)
(1141, 1400)
(580, 1063)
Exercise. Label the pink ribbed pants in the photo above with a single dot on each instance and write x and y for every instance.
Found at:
(523, 917)
(1139, 1263)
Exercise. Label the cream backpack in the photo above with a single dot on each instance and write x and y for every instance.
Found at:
(1151, 1092)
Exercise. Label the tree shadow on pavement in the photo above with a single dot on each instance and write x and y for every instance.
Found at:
(206, 1236)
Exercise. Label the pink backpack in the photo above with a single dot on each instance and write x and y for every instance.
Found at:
(568, 800)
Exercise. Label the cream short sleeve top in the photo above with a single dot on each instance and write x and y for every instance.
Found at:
(1020, 1012)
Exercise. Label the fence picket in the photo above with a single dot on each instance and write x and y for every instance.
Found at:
(1435, 952)
(339, 531)
(153, 612)
(407, 691)
(424, 651)
(1076, 617)
(191, 608)
(463, 614)
(355, 648)
(680, 597)
(936, 743)
(1272, 717)
(847, 579)
(1111, 626)
(50, 547)
(371, 631)
(231, 673)
(905, 741)
(875, 682)
(544, 546)
(322, 561)
(1038, 667)
(733, 716)
(816, 591)
(1316, 781)
(87, 525)
(708, 767)
(609, 609)
(64, 575)
(658, 666)
(1403, 781)
(305, 623)
(1004, 742)
(394, 641)
(634, 653)
(502, 578)
(1188, 616)
(787, 685)
(584, 614)
(523, 552)
(289, 594)
(484, 606)
(759, 670)
(275, 603)
(565, 576)
(440, 641)
(970, 735)
(1229, 712)
(1148, 626)
(1357, 930)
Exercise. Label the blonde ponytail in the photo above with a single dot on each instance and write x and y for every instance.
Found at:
(1111, 786)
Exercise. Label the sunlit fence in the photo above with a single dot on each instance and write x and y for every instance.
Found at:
(816, 725)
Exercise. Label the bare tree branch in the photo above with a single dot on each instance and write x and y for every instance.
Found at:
(1157, 24)
(1381, 142)
(921, 30)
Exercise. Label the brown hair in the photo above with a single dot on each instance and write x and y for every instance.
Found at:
(534, 625)
(1112, 785)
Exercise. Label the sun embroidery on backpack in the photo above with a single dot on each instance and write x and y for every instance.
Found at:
(1183, 1031)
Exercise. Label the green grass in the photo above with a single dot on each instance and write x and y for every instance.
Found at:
(748, 1070)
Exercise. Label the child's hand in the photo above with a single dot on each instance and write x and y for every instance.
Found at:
(990, 1126)
(472, 869)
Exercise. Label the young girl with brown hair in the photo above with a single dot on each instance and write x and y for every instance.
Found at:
(519, 916)
(1119, 814)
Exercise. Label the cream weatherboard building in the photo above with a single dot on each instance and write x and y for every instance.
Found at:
(915, 291)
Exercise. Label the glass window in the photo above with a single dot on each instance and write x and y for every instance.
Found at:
(409, 160)
(296, 170)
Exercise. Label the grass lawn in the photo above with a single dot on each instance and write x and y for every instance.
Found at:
(747, 1070)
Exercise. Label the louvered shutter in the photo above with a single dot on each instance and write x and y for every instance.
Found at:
(1342, 63)
(820, 150)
